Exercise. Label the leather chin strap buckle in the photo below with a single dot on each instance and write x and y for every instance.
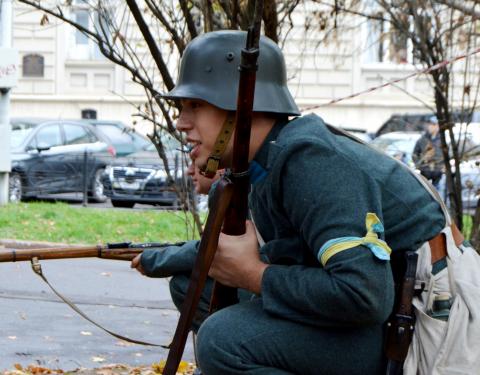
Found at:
(211, 168)
(213, 161)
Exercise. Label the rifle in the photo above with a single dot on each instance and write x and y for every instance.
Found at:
(230, 201)
(401, 324)
(118, 251)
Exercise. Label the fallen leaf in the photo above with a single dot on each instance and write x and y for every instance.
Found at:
(123, 343)
(35, 370)
(182, 367)
(18, 366)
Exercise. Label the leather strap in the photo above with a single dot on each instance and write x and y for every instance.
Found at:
(210, 169)
(438, 244)
(37, 268)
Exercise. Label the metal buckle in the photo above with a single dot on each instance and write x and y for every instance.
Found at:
(36, 266)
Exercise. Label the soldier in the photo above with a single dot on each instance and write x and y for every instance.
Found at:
(317, 293)
(427, 153)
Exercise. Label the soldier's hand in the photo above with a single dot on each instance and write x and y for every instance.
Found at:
(237, 261)
(137, 264)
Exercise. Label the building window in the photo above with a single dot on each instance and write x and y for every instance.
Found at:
(385, 44)
(33, 65)
(89, 114)
(81, 47)
(82, 18)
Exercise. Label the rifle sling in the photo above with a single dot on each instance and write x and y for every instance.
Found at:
(37, 268)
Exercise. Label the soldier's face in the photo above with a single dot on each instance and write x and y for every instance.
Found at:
(433, 128)
(202, 184)
(201, 122)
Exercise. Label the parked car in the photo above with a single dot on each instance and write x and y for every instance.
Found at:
(48, 156)
(415, 122)
(399, 145)
(470, 184)
(141, 178)
(362, 134)
(124, 138)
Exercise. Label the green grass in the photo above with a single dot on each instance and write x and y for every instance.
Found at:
(467, 226)
(59, 222)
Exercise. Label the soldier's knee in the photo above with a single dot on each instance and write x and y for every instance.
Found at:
(213, 354)
(207, 347)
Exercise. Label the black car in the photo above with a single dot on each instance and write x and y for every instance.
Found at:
(53, 156)
(124, 138)
(141, 178)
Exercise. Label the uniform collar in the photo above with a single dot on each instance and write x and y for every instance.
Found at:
(257, 167)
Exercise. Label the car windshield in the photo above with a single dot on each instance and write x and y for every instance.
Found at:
(394, 144)
(169, 143)
(20, 132)
(121, 135)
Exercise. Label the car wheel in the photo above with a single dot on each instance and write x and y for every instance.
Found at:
(15, 188)
(122, 204)
(97, 192)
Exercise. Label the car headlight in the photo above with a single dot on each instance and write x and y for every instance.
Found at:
(160, 174)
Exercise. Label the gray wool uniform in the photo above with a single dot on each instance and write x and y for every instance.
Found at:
(310, 186)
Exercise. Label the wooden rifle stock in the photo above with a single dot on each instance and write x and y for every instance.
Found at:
(401, 323)
(119, 251)
(206, 252)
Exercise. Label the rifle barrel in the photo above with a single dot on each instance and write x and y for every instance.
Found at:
(19, 255)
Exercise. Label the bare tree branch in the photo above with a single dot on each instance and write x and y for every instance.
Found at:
(157, 12)
(188, 18)
(270, 19)
(152, 46)
(463, 7)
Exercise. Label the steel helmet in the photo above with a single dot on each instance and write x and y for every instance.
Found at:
(209, 71)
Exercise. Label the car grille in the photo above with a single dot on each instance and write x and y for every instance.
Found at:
(136, 175)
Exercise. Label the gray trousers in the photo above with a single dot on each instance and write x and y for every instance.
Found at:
(244, 339)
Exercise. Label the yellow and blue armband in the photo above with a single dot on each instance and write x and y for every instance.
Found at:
(378, 247)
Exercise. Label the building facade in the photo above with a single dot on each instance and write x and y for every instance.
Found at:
(63, 74)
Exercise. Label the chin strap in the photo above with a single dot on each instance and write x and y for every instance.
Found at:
(210, 169)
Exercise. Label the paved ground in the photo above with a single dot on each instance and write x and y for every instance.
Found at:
(35, 328)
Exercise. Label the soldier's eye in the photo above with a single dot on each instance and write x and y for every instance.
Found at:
(195, 105)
